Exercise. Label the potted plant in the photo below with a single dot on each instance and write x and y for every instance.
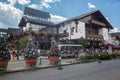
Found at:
(4, 55)
(54, 54)
(31, 54)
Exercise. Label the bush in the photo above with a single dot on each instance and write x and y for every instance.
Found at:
(105, 56)
(102, 56)
(99, 56)
(83, 58)
(90, 56)
(118, 55)
(113, 56)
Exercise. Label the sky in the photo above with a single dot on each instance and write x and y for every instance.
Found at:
(11, 11)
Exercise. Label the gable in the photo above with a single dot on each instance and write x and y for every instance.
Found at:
(96, 17)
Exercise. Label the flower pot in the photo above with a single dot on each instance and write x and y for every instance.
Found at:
(54, 60)
(3, 65)
(31, 62)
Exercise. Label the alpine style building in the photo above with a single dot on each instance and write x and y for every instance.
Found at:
(91, 27)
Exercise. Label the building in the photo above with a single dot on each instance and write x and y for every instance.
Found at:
(115, 39)
(92, 27)
(37, 22)
(4, 32)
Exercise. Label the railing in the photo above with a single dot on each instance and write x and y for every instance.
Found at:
(63, 34)
(94, 36)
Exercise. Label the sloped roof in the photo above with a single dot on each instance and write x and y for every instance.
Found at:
(14, 31)
(87, 14)
(35, 13)
(41, 14)
(3, 30)
(40, 22)
(78, 17)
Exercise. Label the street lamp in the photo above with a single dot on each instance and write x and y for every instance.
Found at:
(59, 64)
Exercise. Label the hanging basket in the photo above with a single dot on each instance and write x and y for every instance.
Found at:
(54, 60)
(31, 62)
(3, 65)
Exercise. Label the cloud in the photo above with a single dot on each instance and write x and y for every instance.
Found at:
(24, 2)
(107, 19)
(56, 18)
(46, 3)
(114, 30)
(50, 1)
(4, 26)
(91, 5)
(34, 6)
(12, 2)
(9, 15)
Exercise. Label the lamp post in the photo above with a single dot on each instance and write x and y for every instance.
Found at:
(99, 60)
(40, 60)
(59, 65)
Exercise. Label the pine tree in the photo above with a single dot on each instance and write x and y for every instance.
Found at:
(31, 51)
(4, 53)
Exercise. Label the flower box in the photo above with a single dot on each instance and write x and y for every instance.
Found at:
(31, 62)
(54, 60)
(3, 65)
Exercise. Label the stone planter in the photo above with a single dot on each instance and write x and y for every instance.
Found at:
(31, 62)
(54, 60)
(3, 65)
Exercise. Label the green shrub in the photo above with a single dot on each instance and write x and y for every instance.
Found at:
(118, 55)
(83, 58)
(99, 56)
(90, 56)
(113, 56)
(105, 56)
(102, 56)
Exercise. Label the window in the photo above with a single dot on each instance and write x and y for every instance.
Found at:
(64, 31)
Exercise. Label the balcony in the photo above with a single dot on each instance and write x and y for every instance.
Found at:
(63, 34)
(94, 37)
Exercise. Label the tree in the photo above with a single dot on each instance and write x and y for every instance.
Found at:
(23, 42)
(83, 42)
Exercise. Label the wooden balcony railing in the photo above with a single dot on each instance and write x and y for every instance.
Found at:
(91, 36)
(63, 34)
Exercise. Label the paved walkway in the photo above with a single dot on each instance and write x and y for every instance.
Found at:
(19, 65)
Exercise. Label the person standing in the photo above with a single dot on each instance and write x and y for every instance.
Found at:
(13, 54)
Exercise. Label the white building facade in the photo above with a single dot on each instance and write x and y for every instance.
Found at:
(92, 27)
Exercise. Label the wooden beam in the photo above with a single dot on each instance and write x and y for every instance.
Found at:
(98, 22)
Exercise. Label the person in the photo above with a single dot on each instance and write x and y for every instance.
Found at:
(13, 54)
